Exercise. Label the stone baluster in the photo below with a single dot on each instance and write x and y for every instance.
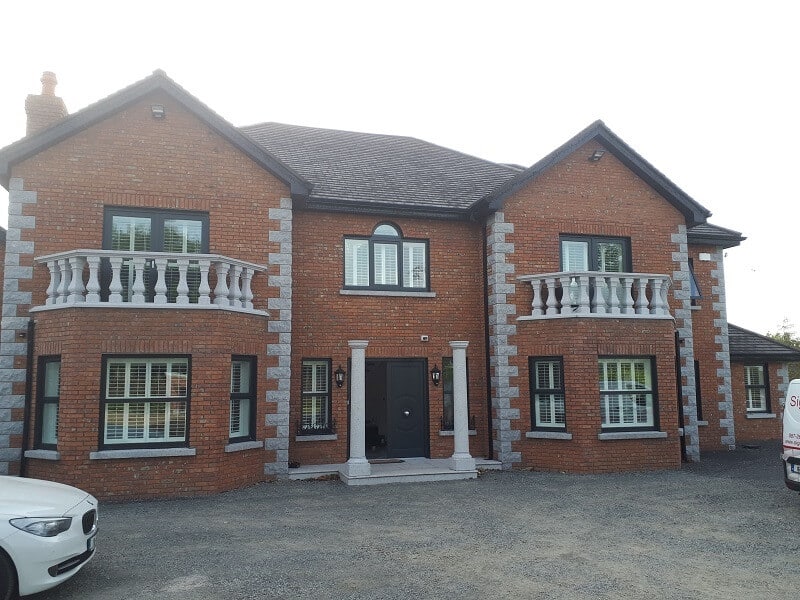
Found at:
(235, 292)
(627, 296)
(583, 295)
(203, 289)
(55, 282)
(115, 287)
(66, 277)
(537, 305)
(247, 292)
(221, 290)
(569, 294)
(552, 302)
(138, 286)
(161, 281)
(93, 284)
(613, 295)
(641, 296)
(76, 289)
(183, 282)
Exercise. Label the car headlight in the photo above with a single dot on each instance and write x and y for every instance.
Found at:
(43, 527)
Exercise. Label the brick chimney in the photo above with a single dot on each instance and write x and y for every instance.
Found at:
(45, 109)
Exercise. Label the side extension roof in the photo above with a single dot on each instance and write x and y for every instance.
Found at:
(745, 344)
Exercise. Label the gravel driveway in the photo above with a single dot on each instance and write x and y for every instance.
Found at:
(724, 528)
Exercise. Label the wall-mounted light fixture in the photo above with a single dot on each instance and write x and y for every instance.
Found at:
(596, 155)
(338, 376)
(436, 375)
(158, 111)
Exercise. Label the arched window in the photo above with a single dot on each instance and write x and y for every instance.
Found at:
(386, 261)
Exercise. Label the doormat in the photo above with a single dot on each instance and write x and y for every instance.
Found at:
(385, 461)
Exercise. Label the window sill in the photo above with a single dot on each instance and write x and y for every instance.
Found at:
(316, 438)
(450, 433)
(548, 435)
(396, 294)
(245, 445)
(702, 423)
(633, 435)
(141, 453)
(43, 454)
(761, 415)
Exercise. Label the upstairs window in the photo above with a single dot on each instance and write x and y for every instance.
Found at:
(756, 388)
(604, 254)
(386, 261)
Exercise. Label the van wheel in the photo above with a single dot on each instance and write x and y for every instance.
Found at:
(8, 578)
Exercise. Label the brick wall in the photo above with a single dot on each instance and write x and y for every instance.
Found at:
(325, 319)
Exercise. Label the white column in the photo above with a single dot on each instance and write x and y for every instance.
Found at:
(461, 460)
(357, 465)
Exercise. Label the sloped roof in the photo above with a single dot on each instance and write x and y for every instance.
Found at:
(94, 113)
(598, 131)
(714, 235)
(745, 344)
(373, 171)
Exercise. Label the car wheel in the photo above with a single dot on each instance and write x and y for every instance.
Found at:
(8, 577)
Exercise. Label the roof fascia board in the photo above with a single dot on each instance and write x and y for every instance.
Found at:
(598, 131)
(158, 81)
(788, 357)
(721, 241)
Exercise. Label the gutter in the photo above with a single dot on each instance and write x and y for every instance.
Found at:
(26, 416)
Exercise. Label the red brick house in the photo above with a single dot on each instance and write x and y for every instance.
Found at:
(191, 307)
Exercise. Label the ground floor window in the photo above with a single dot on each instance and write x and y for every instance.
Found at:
(49, 391)
(756, 388)
(626, 393)
(315, 417)
(145, 401)
(548, 407)
(243, 404)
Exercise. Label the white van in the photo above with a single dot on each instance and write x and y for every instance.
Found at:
(791, 437)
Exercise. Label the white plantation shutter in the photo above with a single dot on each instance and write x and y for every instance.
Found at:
(385, 257)
(356, 262)
(414, 268)
(575, 255)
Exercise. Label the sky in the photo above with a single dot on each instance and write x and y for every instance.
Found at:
(705, 91)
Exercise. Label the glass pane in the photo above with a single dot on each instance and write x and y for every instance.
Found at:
(177, 421)
(157, 421)
(158, 380)
(414, 269)
(115, 421)
(52, 378)
(235, 419)
(356, 262)
(385, 257)
(136, 414)
(137, 387)
(179, 379)
(610, 257)
(130, 233)
(574, 255)
(240, 377)
(386, 230)
(115, 386)
(183, 235)
(50, 423)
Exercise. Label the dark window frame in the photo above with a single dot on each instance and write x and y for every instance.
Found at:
(534, 391)
(250, 395)
(399, 240)
(330, 427)
(695, 293)
(157, 218)
(593, 241)
(445, 423)
(653, 392)
(41, 400)
(104, 401)
(765, 386)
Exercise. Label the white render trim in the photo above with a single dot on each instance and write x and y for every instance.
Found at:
(316, 438)
(595, 316)
(548, 435)
(43, 454)
(761, 415)
(632, 435)
(387, 293)
(141, 453)
(130, 305)
(248, 445)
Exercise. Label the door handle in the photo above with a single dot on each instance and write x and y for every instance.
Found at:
(406, 413)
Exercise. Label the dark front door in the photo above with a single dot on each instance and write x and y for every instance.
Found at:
(406, 408)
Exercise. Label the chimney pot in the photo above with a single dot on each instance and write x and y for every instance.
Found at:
(49, 83)
(45, 109)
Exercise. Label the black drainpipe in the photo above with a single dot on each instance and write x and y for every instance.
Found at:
(486, 338)
(26, 415)
(679, 383)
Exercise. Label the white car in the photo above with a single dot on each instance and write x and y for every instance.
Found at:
(47, 533)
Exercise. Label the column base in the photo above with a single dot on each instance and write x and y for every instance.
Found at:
(356, 467)
(462, 462)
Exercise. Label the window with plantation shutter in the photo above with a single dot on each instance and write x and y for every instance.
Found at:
(604, 254)
(315, 403)
(145, 401)
(756, 388)
(386, 261)
(548, 407)
(627, 394)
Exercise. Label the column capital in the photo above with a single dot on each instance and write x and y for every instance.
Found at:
(459, 344)
(358, 344)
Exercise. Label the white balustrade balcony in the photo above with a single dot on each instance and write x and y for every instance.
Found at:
(148, 279)
(595, 294)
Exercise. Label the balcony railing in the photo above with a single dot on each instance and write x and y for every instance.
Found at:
(110, 277)
(592, 293)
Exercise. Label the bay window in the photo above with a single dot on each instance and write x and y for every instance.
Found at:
(627, 393)
(386, 261)
(145, 401)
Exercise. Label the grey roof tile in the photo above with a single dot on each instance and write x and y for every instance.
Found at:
(748, 344)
